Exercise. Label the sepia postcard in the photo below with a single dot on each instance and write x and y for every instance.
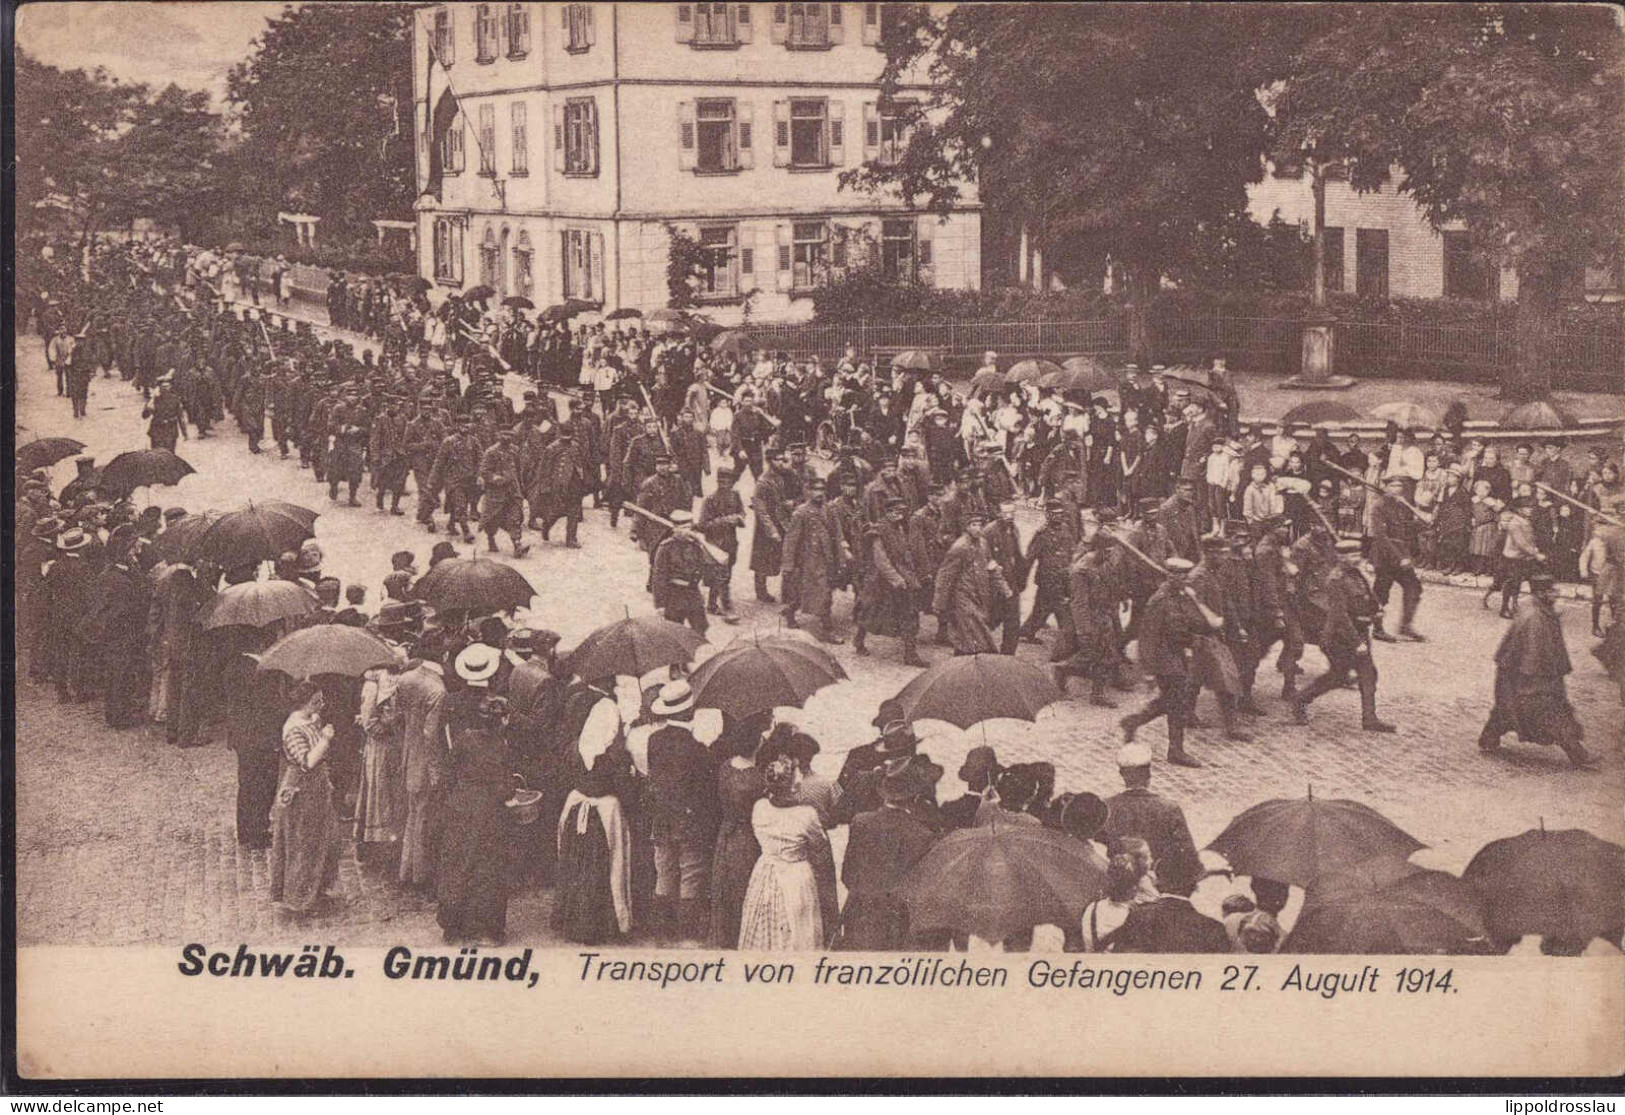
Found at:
(870, 540)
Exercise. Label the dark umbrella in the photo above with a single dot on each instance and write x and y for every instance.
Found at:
(987, 379)
(474, 584)
(479, 292)
(912, 360)
(1317, 411)
(755, 674)
(623, 313)
(520, 301)
(525, 683)
(999, 879)
(668, 317)
(258, 532)
(1084, 379)
(257, 604)
(1387, 906)
(1407, 415)
(1088, 373)
(141, 467)
(1538, 415)
(235, 246)
(1030, 371)
(632, 647)
(179, 540)
(565, 310)
(418, 284)
(329, 648)
(1298, 840)
(733, 340)
(970, 688)
(46, 452)
(1565, 884)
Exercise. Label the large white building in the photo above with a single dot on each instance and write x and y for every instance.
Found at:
(559, 143)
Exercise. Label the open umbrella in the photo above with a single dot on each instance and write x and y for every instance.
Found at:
(665, 316)
(479, 292)
(235, 246)
(734, 340)
(1407, 415)
(913, 360)
(1387, 906)
(1317, 411)
(141, 467)
(417, 284)
(1538, 415)
(1298, 840)
(755, 673)
(329, 648)
(987, 379)
(474, 584)
(1566, 884)
(632, 647)
(45, 452)
(970, 688)
(179, 540)
(1030, 371)
(1074, 379)
(1088, 373)
(258, 532)
(519, 301)
(256, 604)
(525, 683)
(997, 879)
(623, 313)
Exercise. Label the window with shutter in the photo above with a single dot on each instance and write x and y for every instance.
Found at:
(747, 261)
(685, 23)
(523, 266)
(837, 25)
(518, 30)
(871, 131)
(685, 135)
(578, 27)
(581, 136)
(716, 139)
(746, 137)
(781, 22)
(488, 140)
(719, 268)
(897, 250)
(896, 118)
(808, 26)
(714, 24)
(781, 133)
(444, 40)
(485, 34)
(810, 134)
(871, 24)
(558, 138)
(837, 133)
(596, 277)
(922, 250)
(742, 23)
(520, 141)
(810, 254)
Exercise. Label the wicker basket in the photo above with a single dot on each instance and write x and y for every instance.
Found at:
(525, 806)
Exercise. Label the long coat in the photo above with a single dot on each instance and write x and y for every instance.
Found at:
(1530, 665)
(967, 592)
(773, 512)
(888, 597)
(812, 554)
(882, 846)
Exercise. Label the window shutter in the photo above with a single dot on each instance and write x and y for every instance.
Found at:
(564, 266)
(781, 132)
(558, 138)
(449, 55)
(592, 127)
(685, 135)
(600, 289)
(837, 25)
(871, 131)
(923, 257)
(592, 23)
(837, 133)
(747, 139)
(781, 22)
(871, 25)
(564, 19)
(786, 275)
(747, 261)
(685, 23)
(743, 30)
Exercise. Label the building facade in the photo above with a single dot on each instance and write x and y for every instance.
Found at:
(560, 146)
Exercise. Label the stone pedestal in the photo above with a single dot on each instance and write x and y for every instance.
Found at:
(1318, 344)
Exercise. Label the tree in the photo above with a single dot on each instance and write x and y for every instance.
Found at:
(1507, 117)
(1119, 132)
(168, 161)
(325, 106)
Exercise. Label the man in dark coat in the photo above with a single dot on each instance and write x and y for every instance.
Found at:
(69, 592)
(679, 573)
(386, 452)
(118, 631)
(882, 846)
(1393, 554)
(1531, 697)
(1172, 624)
(1089, 643)
(1345, 638)
(773, 509)
(248, 404)
(1170, 924)
(1178, 519)
(455, 471)
(722, 513)
(969, 589)
(1140, 812)
(889, 592)
(168, 420)
(1049, 555)
(559, 482)
(504, 502)
(812, 553)
(684, 813)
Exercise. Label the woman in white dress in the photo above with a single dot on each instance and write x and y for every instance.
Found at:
(791, 902)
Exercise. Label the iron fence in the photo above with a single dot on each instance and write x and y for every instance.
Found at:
(1590, 361)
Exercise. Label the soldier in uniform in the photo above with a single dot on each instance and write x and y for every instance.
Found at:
(812, 554)
(722, 513)
(680, 572)
(622, 427)
(846, 519)
(1049, 555)
(643, 453)
(347, 461)
(1349, 611)
(690, 450)
(884, 488)
(1089, 644)
(456, 467)
(969, 589)
(1393, 553)
(1004, 543)
(559, 483)
(888, 600)
(504, 502)
(661, 494)
(773, 508)
(386, 450)
(928, 542)
(168, 421)
(1172, 623)
(422, 439)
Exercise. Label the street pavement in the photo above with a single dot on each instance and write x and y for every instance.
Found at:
(124, 839)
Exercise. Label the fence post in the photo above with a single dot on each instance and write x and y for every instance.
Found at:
(863, 338)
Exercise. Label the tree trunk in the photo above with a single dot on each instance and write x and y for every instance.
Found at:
(1317, 181)
(1539, 301)
(1140, 284)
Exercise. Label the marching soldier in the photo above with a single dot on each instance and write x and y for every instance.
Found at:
(386, 449)
(928, 542)
(1349, 612)
(456, 468)
(969, 588)
(812, 554)
(1049, 555)
(1089, 644)
(888, 600)
(559, 484)
(679, 572)
(503, 503)
(1172, 623)
(772, 507)
(662, 493)
(722, 513)
(1393, 553)
(422, 440)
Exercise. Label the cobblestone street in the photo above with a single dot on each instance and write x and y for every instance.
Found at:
(124, 839)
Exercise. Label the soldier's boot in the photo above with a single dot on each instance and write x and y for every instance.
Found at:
(789, 615)
(1289, 684)
(1247, 706)
(858, 642)
(728, 614)
(1407, 618)
(1097, 694)
(491, 542)
(1227, 715)
(520, 549)
(911, 652)
(395, 502)
(942, 639)
(1368, 709)
(1575, 750)
(762, 593)
(1379, 634)
(662, 918)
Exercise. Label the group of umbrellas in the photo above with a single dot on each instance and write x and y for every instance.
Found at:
(1410, 415)
(139, 468)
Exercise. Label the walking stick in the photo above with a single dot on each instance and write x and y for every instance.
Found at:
(1364, 483)
(1213, 618)
(711, 551)
(1609, 519)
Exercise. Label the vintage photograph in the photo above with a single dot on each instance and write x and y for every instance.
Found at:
(946, 480)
